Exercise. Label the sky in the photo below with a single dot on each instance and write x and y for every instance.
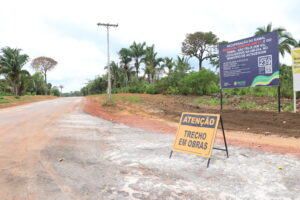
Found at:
(67, 31)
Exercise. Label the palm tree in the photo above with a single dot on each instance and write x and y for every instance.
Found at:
(125, 57)
(168, 63)
(151, 62)
(285, 38)
(182, 65)
(11, 64)
(61, 87)
(25, 83)
(115, 73)
(297, 44)
(137, 53)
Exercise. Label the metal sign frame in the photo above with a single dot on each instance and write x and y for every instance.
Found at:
(213, 148)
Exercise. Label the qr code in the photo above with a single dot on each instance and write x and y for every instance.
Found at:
(266, 63)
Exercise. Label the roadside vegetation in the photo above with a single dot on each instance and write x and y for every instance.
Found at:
(140, 69)
(15, 81)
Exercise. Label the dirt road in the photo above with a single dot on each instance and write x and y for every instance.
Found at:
(53, 150)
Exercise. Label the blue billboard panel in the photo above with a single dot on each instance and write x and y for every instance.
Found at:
(250, 62)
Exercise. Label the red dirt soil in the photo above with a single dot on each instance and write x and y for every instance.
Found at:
(132, 115)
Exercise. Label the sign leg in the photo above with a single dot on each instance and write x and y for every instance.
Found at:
(279, 106)
(171, 154)
(295, 102)
(208, 163)
(221, 99)
(224, 137)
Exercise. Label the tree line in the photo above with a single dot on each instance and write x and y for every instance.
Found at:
(141, 70)
(15, 80)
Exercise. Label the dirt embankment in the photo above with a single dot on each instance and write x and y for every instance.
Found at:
(275, 132)
(169, 108)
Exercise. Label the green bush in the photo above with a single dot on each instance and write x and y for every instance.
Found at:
(173, 90)
(138, 88)
(120, 90)
(55, 92)
(151, 89)
(204, 82)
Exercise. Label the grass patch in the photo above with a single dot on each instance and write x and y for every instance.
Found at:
(109, 103)
(26, 98)
(210, 101)
(247, 105)
(270, 106)
(130, 98)
(2, 100)
(133, 99)
(289, 107)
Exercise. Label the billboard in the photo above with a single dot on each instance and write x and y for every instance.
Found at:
(250, 62)
(196, 133)
(296, 68)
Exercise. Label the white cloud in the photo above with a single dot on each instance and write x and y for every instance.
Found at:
(66, 30)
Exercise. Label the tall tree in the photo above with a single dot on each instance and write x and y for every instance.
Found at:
(151, 63)
(286, 41)
(125, 59)
(43, 64)
(200, 45)
(137, 53)
(11, 64)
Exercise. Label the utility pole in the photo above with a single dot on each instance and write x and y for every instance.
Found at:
(107, 25)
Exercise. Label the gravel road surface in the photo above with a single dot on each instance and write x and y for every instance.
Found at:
(53, 150)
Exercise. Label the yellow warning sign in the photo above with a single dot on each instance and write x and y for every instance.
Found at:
(296, 60)
(296, 68)
(196, 133)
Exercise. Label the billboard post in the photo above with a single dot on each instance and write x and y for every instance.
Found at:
(279, 106)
